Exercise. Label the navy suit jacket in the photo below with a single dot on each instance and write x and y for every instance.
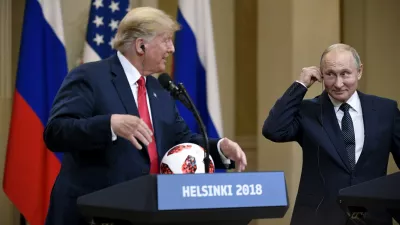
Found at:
(79, 126)
(326, 169)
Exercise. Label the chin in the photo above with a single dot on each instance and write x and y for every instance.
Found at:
(161, 69)
(341, 97)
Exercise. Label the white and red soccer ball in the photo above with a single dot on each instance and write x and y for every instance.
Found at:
(185, 158)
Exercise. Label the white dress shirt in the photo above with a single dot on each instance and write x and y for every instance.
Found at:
(133, 75)
(356, 116)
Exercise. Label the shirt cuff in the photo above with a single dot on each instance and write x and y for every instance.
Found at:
(113, 135)
(224, 160)
(301, 83)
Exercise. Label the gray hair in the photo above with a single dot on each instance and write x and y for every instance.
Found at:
(342, 47)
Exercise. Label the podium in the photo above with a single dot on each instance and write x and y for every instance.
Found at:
(381, 193)
(219, 198)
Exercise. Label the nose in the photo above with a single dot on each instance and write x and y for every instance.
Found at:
(338, 82)
(171, 48)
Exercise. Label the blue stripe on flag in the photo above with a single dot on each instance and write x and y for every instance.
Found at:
(189, 71)
(42, 62)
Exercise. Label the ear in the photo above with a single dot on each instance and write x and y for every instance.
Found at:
(359, 75)
(139, 46)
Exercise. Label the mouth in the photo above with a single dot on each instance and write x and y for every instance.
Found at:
(339, 92)
(165, 58)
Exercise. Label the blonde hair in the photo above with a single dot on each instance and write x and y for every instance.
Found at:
(142, 22)
(342, 47)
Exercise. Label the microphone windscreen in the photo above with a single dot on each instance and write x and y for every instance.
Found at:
(164, 79)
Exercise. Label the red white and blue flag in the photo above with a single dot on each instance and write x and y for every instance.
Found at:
(195, 65)
(104, 18)
(30, 168)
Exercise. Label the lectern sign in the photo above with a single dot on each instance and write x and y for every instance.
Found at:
(221, 190)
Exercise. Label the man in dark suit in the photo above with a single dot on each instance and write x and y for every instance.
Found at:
(346, 136)
(114, 122)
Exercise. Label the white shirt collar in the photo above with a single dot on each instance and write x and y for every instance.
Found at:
(353, 101)
(132, 74)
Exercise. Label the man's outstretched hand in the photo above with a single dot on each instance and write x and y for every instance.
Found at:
(233, 151)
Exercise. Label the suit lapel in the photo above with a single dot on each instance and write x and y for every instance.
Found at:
(124, 91)
(121, 84)
(153, 91)
(370, 122)
(331, 126)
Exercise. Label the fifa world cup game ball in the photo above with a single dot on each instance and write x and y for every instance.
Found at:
(185, 158)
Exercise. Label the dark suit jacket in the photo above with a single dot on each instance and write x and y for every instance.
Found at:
(313, 124)
(79, 127)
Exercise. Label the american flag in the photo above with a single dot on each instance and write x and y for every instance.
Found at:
(104, 18)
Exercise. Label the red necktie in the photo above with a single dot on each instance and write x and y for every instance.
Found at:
(145, 115)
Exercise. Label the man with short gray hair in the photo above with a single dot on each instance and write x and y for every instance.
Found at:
(114, 122)
(346, 136)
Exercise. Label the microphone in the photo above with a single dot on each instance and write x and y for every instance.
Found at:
(176, 92)
(166, 83)
(179, 93)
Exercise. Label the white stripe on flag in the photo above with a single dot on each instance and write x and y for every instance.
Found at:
(52, 12)
(198, 15)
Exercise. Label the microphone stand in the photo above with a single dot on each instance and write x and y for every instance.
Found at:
(187, 101)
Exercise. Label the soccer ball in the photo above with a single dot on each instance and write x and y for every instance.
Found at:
(185, 158)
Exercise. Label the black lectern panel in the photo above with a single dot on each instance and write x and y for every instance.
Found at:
(167, 199)
(381, 193)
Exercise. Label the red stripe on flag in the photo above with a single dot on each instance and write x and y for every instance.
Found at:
(30, 169)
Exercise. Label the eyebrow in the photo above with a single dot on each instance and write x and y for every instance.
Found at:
(340, 71)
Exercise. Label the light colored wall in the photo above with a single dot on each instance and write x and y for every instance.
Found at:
(245, 93)
(261, 45)
(7, 213)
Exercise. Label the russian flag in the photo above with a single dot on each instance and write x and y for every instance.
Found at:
(195, 65)
(31, 169)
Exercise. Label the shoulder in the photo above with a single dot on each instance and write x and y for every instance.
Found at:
(312, 101)
(307, 103)
(153, 82)
(91, 70)
(378, 101)
(155, 85)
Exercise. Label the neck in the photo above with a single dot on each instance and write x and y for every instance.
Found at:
(138, 62)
